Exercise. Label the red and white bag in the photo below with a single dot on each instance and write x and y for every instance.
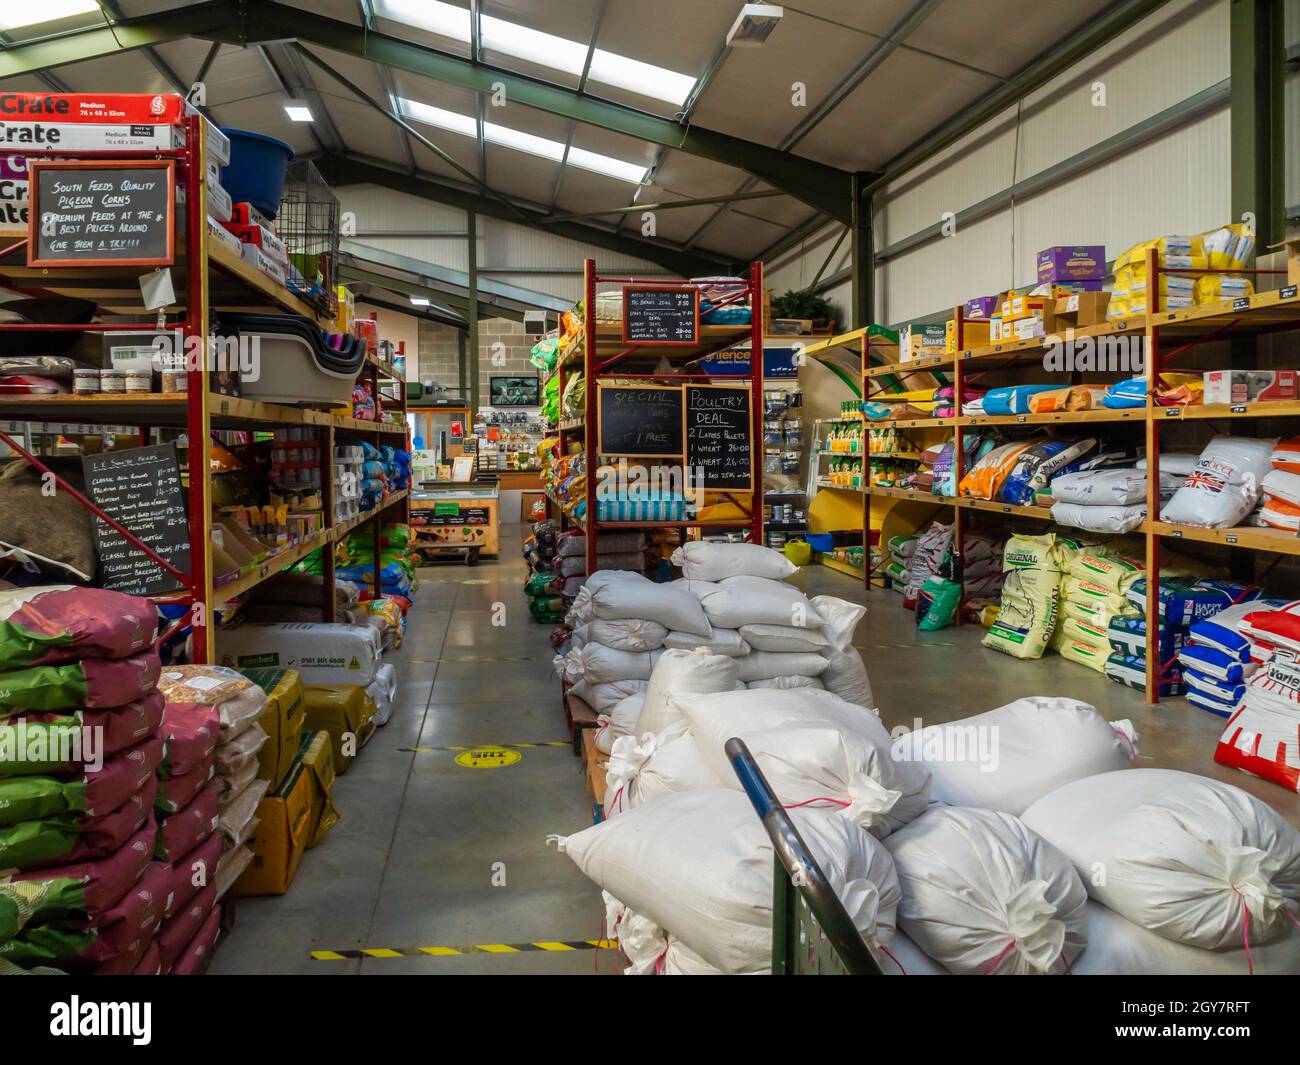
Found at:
(1263, 737)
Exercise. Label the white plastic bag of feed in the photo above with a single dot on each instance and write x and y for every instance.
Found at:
(633, 596)
(626, 634)
(1110, 488)
(904, 958)
(1225, 485)
(842, 619)
(783, 639)
(764, 665)
(700, 865)
(1186, 857)
(701, 560)
(604, 697)
(738, 601)
(846, 676)
(1118, 947)
(680, 672)
(1006, 759)
(786, 683)
(322, 653)
(383, 690)
(1094, 518)
(983, 895)
(812, 745)
(643, 769)
(727, 642)
(598, 664)
(620, 721)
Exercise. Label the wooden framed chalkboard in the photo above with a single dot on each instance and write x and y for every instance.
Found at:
(636, 421)
(720, 436)
(662, 315)
(112, 213)
(140, 488)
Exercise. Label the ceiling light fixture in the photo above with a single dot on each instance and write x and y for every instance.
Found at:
(298, 111)
(16, 14)
(507, 137)
(544, 49)
(419, 301)
(754, 25)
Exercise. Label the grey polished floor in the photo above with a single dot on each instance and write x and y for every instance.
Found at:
(413, 862)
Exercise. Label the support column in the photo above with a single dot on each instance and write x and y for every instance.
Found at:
(471, 312)
(864, 255)
(1256, 47)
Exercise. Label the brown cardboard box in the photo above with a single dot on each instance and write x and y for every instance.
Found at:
(975, 334)
(344, 711)
(282, 720)
(1078, 310)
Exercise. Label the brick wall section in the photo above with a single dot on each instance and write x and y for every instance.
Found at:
(503, 349)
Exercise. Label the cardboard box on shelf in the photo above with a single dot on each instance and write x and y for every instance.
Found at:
(975, 334)
(928, 339)
(1015, 307)
(1076, 262)
(1077, 311)
(1026, 328)
(1250, 386)
(981, 307)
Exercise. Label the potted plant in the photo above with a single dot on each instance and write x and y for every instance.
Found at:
(805, 306)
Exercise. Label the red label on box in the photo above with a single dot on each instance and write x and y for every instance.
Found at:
(109, 108)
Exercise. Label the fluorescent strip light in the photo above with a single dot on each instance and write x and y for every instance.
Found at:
(15, 14)
(543, 49)
(418, 301)
(507, 137)
(298, 111)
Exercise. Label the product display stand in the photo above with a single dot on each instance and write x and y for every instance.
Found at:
(208, 276)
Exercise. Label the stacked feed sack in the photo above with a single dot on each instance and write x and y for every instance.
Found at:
(1260, 736)
(1107, 501)
(80, 714)
(544, 587)
(901, 549)
(1200, 877)
(215, 738)
(1222, 652)
(1225, 486)
(322, 653)
(1030, 599)
(1094, 592)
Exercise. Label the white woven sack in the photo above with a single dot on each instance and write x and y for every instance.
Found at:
(1181, 855)
(982, 895)
(677, 672)
(1008, 758)
(701, 560)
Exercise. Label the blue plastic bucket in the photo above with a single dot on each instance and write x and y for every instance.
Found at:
(256, 170)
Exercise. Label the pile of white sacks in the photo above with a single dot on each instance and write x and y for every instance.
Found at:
(1016, 841)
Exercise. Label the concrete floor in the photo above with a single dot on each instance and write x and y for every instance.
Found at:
(412, 862)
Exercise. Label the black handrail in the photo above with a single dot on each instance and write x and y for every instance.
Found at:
(802, 869)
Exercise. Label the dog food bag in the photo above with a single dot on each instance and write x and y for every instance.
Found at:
(62, 741)
(177, 792)
(194, 871)
(92, 792)
(196, 953)
(87, 887)
(1225, 485)
(191, 732)
(92, 683)
(57, 623)
(180, 928)
(79, 944)
(181, 832)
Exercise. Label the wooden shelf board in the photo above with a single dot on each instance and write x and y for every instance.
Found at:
(1279, 541)
(276, 294)
(831, 562)
(1103, 414)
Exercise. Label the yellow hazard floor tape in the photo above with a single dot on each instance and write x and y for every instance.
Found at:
(546, 946)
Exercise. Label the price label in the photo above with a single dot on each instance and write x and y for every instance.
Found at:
(1242, 303)
(1177, 534)
(1173, 412)
(1288, 292)
(1231, 538)
(1239, 408)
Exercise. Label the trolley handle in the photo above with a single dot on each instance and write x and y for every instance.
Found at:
(800, 865)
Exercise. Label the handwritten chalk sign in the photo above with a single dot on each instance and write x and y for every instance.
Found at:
(115, 213)
(640, 420)
(657, 314)
(140, 488)
(719, 435)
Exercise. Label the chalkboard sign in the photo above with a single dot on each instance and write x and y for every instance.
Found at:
(655, 314)
(115, 213)
(719, 435)
(140, 489)
(640, 420)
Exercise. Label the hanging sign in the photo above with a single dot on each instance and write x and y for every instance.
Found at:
(660, 315)
(113, 213)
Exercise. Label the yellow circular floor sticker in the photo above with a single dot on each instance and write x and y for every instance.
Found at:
(489, 757)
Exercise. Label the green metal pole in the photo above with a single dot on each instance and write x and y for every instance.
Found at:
(864, 261)
(472, 312)
(1256, 50)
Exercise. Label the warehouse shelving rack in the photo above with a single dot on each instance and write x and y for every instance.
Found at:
(211, 276)
(1272, 311)
(604, 355)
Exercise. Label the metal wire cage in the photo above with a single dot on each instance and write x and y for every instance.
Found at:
(812, 933)
(309, 226)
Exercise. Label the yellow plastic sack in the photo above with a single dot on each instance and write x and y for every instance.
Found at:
(798, 552)
(1085, 654)
(1175, 252)
(1134, 279)
(342, 710)
(1213, 287)
(1111, 573)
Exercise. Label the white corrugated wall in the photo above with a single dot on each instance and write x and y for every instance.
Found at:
(1179, 182)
